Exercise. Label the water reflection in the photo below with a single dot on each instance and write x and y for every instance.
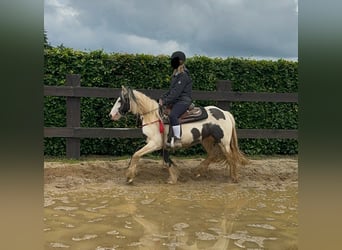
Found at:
(217, 216)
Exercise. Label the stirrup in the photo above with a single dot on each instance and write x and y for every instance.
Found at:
(174, 143)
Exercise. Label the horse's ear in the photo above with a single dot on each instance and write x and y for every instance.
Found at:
(124, 90)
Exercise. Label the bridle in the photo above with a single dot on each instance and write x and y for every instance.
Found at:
(125, 104)
(125, 107)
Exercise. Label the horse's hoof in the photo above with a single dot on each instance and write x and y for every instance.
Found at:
(129, 181)
(171, 182)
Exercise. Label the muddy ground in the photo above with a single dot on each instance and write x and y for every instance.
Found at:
(262, 172)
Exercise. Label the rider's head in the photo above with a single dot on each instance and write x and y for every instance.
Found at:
(177, 58)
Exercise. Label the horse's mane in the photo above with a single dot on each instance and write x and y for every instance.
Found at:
(142, 103)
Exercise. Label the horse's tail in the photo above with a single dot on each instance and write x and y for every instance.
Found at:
(235, 152)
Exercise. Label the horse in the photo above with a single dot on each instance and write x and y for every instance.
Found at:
(216, 133)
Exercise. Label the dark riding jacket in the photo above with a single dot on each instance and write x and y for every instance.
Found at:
(180, 89)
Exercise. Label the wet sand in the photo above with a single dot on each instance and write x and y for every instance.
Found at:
(88, 205)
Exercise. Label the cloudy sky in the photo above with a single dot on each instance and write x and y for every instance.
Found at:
(258, 29)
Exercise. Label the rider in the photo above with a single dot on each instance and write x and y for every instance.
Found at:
(179, 96)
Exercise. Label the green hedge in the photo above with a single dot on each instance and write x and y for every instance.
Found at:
(100, 69)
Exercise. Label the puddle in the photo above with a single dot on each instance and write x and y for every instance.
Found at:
(184, 216)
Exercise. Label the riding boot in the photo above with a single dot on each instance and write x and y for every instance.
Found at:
(175, 140)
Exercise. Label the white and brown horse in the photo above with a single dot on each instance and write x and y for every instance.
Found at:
(216, 133)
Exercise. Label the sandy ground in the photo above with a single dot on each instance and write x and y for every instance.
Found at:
(262, 172)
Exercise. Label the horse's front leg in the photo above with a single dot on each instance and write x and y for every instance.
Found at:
(173, 171)
(132, 169)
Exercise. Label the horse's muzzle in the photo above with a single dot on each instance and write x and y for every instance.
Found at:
(115, 117)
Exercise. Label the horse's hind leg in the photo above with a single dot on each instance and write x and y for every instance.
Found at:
(202, 169)
(230, 162)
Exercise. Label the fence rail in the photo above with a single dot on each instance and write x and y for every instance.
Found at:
(223, 96)
(219, 95)
(78, 132)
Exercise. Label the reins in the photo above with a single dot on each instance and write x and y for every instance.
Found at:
(149, 111)
(143, 125)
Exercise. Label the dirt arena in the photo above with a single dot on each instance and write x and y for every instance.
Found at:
(88, 205)
(261, 172)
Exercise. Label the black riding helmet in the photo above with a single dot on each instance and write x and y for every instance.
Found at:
(176, 57)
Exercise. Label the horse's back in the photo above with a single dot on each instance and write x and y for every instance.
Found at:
(219, 114)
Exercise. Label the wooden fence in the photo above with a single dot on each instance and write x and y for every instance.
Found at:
(223, 96)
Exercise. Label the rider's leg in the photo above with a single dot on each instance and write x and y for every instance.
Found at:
(177, 110)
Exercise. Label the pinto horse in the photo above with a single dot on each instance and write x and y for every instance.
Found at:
(217, 134)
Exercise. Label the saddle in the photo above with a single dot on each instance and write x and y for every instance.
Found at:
(192, 114)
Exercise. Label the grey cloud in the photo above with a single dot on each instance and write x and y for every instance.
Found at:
(241, 28)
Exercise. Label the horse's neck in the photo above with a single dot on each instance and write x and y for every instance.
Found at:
(147, 106)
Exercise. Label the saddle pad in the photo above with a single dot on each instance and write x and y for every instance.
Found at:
(195, 114)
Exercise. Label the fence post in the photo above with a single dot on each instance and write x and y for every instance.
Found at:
(224, 85)
(73, 106)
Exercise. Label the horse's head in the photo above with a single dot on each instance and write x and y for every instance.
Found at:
(121, 106)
